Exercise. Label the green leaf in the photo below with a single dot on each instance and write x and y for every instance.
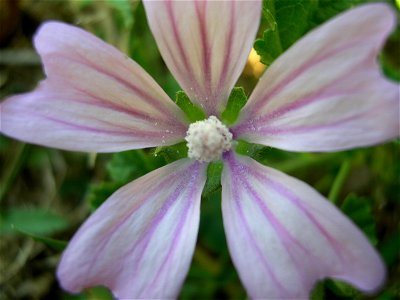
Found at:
(292, 19)
(98, 193)
(36, 221)
(128, 165)
(52, 243)
(237, 99)
(328, 9)
(172, 153)
(286, 21)
(213, 182)
(122, 168)
(359, 210)
(192, 111)
(269, 47)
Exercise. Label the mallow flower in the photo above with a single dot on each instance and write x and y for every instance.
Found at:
(325, 93)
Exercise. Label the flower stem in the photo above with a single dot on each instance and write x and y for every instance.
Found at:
(339, 181)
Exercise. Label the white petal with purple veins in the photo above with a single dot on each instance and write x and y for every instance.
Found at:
(327, 92)
(140, 242)
(283, 236)
(94, 99)
(205, 44)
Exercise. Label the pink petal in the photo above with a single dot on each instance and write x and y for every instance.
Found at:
(140, 242)
(327, 92)
(94, 98)
(205, 44)
(283, 236)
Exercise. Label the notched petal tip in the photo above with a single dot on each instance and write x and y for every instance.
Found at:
(94, 98)
(327, 92)
(284, 237)
(140, 242)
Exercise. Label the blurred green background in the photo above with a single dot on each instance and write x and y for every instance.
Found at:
(46, 194)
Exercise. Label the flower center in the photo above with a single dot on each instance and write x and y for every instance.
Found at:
(208, 139)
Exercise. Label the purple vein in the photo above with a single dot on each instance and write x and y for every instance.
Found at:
(193, 186)
(201, 12)
(288, 195)
(265, 263)
(282, 232)
(314, 60)
(128, 84)
(111, 231)
(141, 244)
(228, 48)
(302, 129)
(178, 40)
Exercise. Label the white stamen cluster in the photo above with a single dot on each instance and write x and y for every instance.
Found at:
(208, 139)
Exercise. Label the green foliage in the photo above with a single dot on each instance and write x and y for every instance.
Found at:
(35, 221)
(390, 248)
(237, 99)
(123, 15)
(192, 111)
(127, 165)
(123, 168)
(359, 210)
(286, 21)
(98, 193)
(52, 243)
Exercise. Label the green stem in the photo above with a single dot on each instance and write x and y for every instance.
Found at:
(339, 181)
(12, 168)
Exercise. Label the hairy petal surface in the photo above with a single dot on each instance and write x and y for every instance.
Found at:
(327, 92)
(283, 236)
(94, 98)
(140, 242)
(205, 44)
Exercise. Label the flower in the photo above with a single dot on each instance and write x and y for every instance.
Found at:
(325, 93)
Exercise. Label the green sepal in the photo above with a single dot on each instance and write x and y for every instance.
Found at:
(192, 111)
(97, 293)
(341, 288)
(253, 150)
(237, 99)
(213, 183)
(318, 291)
(172, 153)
